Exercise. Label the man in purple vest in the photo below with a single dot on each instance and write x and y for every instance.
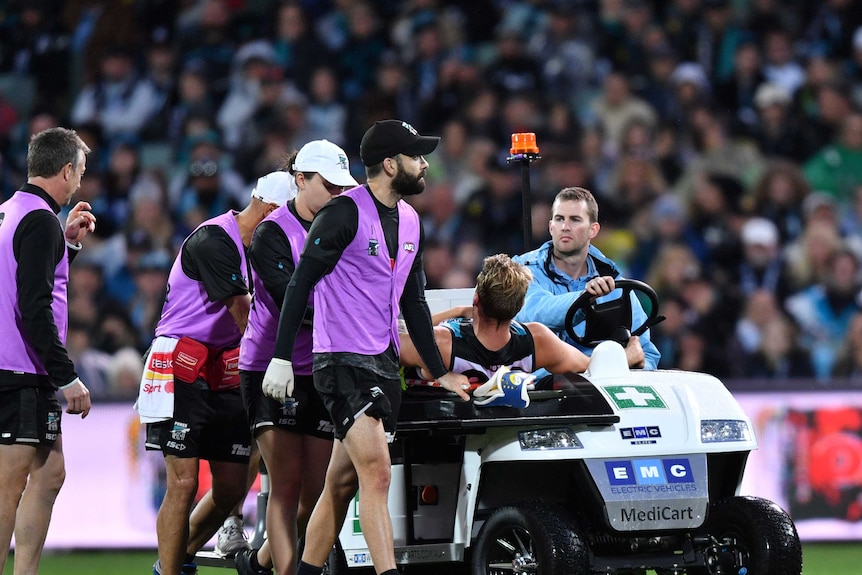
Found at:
(363, 257)
(205, 313)
(35, 252)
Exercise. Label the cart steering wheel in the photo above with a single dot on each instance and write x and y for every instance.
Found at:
(610, 320)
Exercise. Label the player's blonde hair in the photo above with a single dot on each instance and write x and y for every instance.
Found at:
(501, 287)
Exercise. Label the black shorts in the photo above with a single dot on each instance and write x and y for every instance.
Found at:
(207, 424)
(303, 413)
(348, 392)
(29, 416)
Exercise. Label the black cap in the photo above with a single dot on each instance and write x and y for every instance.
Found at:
(388, 138)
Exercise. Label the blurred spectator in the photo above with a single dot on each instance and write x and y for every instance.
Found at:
(659, 88)
(390, 96)
(616, 107)
(122, 172)
(124, 374)
(205, 36)
(492, 215)
(90, 362)
(99, 27)
(760, 307)
(762, 267)
(326, 116)
(624, 45)
(691, 90)
(823, 311)
(830, 32)
(808, 256)
(763, 16)
(35, 45)
(672, 265)
(778, 197)
(837, 169)
(193, 99)
(778, 356)
(716, 216)
(514, 70)
(209, 187)
(567, 60)
(775, 129)
(117, 99)
(717, 39)
(452, 161)
(779, 64)
(366, 44)
(253, 64)
(711, 316)
(297, 49)
(718, 153)
(682, 20)
(667, 335)
(161, 73)
(666, 223)
(145, 306)
(848, 361)
(738, 91)
(635, 184)
(831, 106)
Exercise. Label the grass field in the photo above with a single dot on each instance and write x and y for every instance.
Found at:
(820, 559)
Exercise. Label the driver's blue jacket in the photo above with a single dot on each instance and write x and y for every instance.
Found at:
(552, 293)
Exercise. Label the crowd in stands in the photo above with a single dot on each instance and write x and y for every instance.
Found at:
(722, 139)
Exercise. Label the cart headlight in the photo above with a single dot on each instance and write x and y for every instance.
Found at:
(719, 430)
(539, 439)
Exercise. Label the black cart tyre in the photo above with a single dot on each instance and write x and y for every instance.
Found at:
(754, 534)
(530, 539)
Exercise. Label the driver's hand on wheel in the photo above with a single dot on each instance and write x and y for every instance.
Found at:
(635, 353)
(602, 285)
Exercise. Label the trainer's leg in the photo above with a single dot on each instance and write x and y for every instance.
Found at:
(229, 488)
(47, 473)
(315, 459)
(331, 508)
(280, 450)
(366, 444)
(15, 462)
(172, 523)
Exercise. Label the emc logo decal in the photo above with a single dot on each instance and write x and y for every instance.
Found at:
(649, 471)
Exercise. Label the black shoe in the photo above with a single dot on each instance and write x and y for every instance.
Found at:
(243, 562)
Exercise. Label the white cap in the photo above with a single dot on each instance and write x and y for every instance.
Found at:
(275, 188)
(326, 159)
(690, 73)
(760, 232)
(769, 93)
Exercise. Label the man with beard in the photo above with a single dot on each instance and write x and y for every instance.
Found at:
(568, 264)
(363, 253)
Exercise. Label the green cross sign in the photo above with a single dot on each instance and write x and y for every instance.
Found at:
(635, 396)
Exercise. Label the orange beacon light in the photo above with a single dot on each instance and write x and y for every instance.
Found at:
(524, 151)
(524, 143)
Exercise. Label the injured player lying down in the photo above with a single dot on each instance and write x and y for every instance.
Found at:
(476, 340)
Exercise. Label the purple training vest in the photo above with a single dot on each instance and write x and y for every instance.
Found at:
(188, 311)
(16, 353)
(258, 341)
(356, 305)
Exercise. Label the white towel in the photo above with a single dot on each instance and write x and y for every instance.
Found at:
(156, 394)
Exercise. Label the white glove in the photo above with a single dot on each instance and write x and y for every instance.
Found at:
(505, 388)
(278, 379)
